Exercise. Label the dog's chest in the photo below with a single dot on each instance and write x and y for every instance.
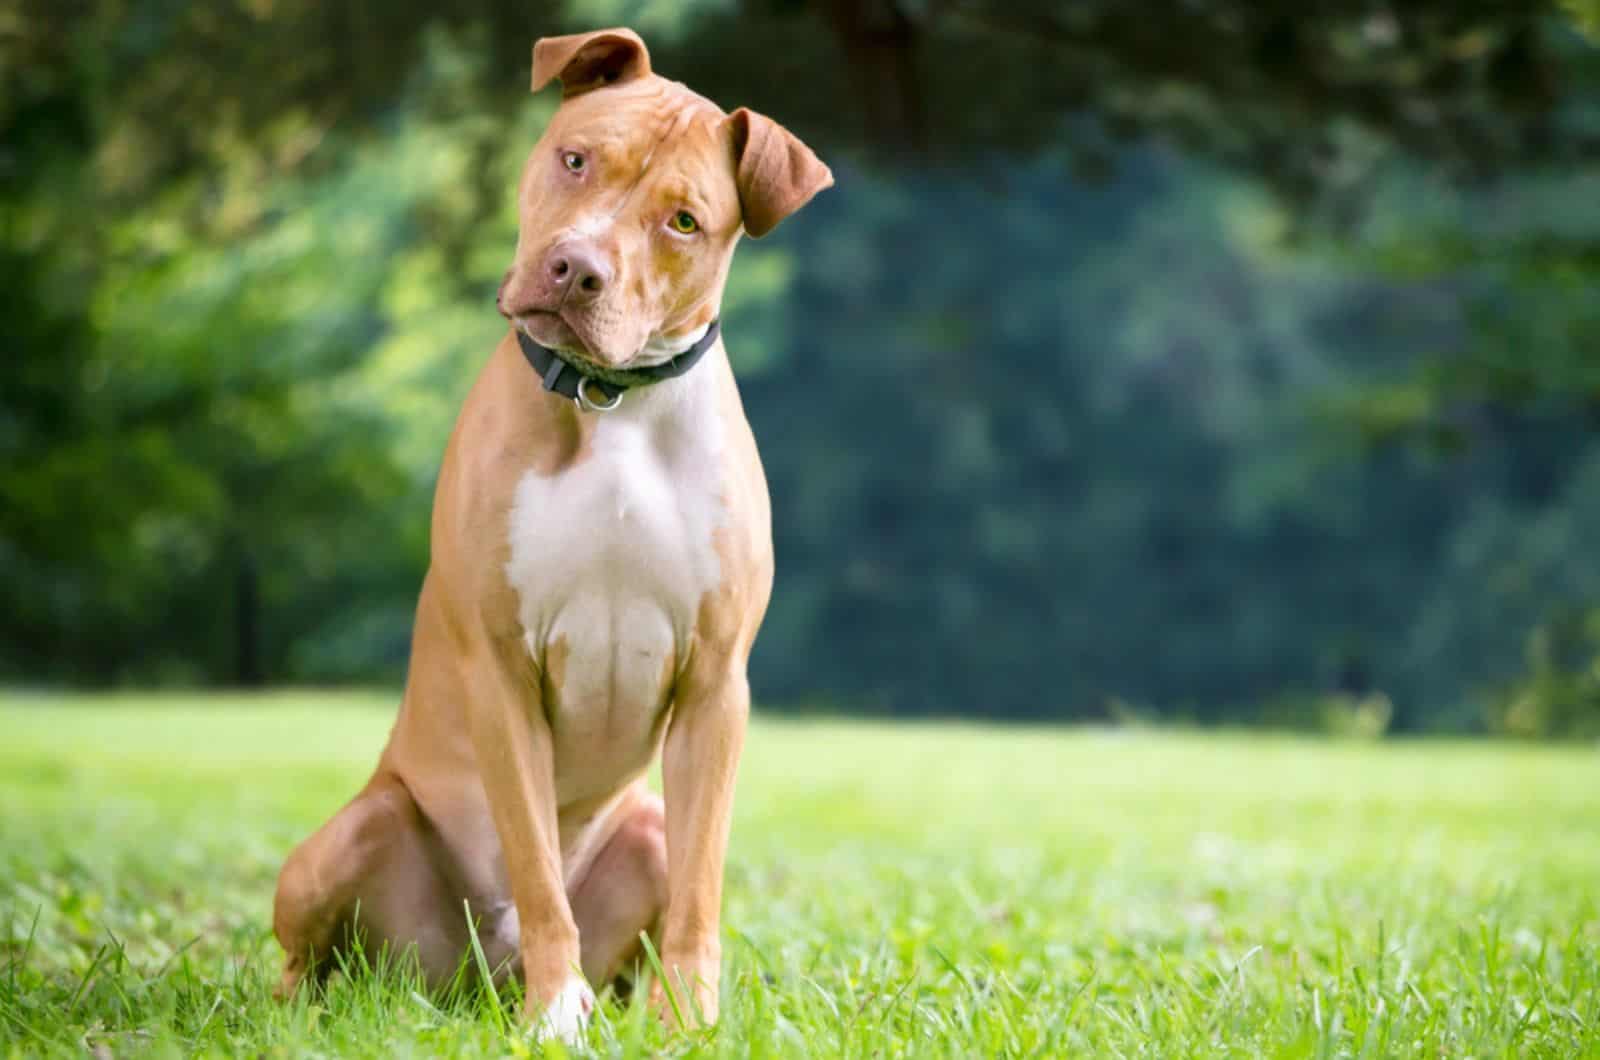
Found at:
(610, 559)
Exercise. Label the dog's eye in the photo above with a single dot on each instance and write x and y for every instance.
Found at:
(683, 221)
(573, 161)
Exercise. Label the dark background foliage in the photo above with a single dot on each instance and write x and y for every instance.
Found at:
(1228, 361)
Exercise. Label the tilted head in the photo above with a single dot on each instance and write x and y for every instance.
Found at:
(631, 203)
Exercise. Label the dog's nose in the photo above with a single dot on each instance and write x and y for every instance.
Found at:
(579, 271)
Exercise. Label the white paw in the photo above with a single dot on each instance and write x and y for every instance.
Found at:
(567, 1014)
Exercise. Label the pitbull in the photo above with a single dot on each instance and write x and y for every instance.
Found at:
(601, 560)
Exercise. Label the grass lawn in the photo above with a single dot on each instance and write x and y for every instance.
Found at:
(892, 890)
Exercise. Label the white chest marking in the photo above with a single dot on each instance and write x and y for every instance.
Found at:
(612, 556)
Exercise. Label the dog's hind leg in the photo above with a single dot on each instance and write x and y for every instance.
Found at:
(624, 891)
(366, 877)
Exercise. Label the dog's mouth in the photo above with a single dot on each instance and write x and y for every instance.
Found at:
(548, 328)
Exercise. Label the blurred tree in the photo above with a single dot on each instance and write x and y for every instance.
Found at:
(1267, 85)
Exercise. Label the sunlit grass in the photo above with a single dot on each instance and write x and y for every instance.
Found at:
(892, 890)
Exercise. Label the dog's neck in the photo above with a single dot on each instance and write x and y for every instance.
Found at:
(671, 403)
(662, 348)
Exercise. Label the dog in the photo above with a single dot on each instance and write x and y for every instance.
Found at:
(601, 560)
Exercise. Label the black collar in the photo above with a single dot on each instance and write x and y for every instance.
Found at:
(581, 383)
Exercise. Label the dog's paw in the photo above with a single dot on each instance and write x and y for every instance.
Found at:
(565, 1018)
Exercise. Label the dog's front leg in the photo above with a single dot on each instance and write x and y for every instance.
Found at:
(511, 738)
(699, 763)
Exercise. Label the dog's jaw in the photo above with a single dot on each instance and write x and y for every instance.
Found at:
(551, 332)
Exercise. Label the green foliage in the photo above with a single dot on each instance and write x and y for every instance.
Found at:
(1560, 694)
(1038, 445)
(896, 890)
(1339, 715)
(1476, 88)
(1114, 462)
(1586, 13)
(244, 396)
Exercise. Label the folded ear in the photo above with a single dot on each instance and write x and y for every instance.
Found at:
(585, 61)
(777, 173)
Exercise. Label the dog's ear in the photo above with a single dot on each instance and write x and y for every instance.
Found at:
(585, 61)
(777, 174)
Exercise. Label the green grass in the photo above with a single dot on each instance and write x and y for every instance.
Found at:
(892, 890)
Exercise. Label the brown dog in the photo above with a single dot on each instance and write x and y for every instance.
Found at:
(600, 564)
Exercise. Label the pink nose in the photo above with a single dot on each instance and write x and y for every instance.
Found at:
(578, 271)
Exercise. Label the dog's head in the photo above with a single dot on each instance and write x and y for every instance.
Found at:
(631, 203)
